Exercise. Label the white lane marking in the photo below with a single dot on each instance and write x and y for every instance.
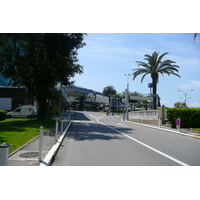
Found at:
(83, 121)
(121, 124)
(149, 147)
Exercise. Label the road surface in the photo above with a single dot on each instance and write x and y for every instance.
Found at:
(95, 139)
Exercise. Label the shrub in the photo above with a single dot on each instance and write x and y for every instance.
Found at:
(3, 114)
(190, 117)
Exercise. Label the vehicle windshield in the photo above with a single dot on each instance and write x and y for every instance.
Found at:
(17, 110)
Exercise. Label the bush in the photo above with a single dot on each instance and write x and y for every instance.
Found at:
(190, 117)
(3, 114)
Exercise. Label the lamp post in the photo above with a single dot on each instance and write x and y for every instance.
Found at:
(185, 93)
(126, 95)
(127, 80)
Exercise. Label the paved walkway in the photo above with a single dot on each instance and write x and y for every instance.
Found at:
(165, 127)
(28, 154)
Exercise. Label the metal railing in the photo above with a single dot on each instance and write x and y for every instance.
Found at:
(145, 114)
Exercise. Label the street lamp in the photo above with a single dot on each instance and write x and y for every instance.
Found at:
(185, 93)
(126, 94)
(127, 80)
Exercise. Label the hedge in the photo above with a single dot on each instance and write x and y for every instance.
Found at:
(3, 114)
(190, 117)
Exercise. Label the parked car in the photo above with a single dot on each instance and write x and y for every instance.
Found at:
(23, 111)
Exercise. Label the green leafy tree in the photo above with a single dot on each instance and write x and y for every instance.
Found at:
(155, 66)
(179, 104)
(39, 62)
(109, 90)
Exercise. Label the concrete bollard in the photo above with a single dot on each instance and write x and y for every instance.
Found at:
(4, 154)
(159, 122)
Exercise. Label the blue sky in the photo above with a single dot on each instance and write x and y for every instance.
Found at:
(108, 56)
(117, 37)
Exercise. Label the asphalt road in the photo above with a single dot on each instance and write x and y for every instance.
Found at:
(95, 139)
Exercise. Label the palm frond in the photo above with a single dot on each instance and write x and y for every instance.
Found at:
(195, 35)
(155, 65)
(143, 64)
(143, 77)
(139, 71)
(161, 56)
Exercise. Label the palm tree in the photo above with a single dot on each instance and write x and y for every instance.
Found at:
(195, 35)
(154, 67)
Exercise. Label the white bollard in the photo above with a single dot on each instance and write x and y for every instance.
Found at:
(41, 143)
(65, 122)
(159, 119)
(4, 154)
(61, 126)
(56, 131)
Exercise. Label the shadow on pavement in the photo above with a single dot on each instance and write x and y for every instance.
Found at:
(80, 116)
(93, 131)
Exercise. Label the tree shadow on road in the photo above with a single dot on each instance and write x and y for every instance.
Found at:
(80, 116)
(94, 131)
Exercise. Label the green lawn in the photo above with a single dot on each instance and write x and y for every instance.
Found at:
(196, 129)
(18, 132)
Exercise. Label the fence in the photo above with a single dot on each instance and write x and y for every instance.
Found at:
(145, 115)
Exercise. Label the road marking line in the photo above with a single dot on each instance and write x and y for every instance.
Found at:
(149, 147)
(121, 124)
(86, 124)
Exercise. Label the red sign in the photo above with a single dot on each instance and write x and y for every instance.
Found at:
(178, 122)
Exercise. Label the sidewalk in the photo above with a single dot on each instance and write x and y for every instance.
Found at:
(183, 131)
(28, 154)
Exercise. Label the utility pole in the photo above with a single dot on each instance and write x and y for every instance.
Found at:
(185, 93)
(126, 95)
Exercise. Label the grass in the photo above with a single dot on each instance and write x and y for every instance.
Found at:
(196, 129)
(18, 132)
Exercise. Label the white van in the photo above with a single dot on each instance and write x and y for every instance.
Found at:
(23, 111)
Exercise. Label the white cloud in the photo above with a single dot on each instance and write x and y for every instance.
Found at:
(190, 85)
(162, 101)
(195, 104)
(196, 83)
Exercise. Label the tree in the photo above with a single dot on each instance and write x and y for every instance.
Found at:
(179, 104)
(39, 62)
(109, 90)
(195, 35)
(154, 67)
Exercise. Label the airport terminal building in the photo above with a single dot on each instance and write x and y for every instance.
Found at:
(76, 98)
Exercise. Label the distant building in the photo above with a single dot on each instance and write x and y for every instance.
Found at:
(15, 94)
(75, 97)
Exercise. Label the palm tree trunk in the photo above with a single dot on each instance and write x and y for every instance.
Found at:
(154, 93)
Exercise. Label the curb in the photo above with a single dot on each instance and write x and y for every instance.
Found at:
(51, 154)
(28, 143)
(180, 133)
